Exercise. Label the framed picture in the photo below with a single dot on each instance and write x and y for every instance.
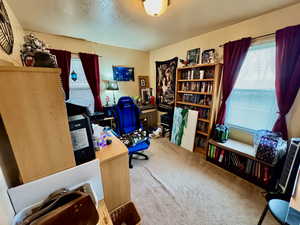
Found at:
(193, 56)
(123, 73)
(146, 93)
(208, 56)
(143, 83)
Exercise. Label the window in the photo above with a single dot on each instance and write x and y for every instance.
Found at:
(80, 92)
(252, 103)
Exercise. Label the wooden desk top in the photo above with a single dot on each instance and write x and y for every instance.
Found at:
(104, 217)
(115, 149)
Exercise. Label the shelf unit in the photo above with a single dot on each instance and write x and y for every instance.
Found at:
(199, 91)
(239, 158)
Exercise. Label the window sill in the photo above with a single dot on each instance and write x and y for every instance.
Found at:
(241, 134)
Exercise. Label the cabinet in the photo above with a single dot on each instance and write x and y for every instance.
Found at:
(35, 119)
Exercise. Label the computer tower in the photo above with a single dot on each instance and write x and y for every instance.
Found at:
(81, 135)
(290, 168)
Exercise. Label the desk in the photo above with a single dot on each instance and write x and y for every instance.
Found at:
(149, 114)
(115, 174)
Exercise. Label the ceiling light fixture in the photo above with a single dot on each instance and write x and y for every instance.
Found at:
(156, 7)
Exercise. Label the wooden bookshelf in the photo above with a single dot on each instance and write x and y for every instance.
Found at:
(198, 66)
(202, 133)
(239, 158)
(193, 80)
(195, 92)
(204, 120)
(193, 104)
(199, 91)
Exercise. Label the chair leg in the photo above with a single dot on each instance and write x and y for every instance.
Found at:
(145, 157)
(263, 215)
(130, 161)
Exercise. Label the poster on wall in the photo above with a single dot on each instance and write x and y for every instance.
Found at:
(165, 83)
(123, 73)
(184, 128)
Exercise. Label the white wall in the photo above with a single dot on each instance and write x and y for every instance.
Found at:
(8, 172)
(267, 23)
(110, 55)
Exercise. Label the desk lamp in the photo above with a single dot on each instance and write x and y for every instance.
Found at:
(112, 86)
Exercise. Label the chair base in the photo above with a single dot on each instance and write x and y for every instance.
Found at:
(131, 157)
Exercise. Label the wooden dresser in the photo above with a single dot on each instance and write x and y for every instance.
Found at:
(35, 119)
(115, 174)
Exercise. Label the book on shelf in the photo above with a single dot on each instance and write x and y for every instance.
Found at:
(197, 99)
(203, 87)
(202, 126)
(197, 73)
(244, 165)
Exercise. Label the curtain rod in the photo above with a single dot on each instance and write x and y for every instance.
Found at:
(258, 37)
(75, 53)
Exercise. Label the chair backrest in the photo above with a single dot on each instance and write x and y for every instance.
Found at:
(126, 115)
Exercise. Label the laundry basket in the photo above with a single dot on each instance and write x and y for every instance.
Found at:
(126, 214)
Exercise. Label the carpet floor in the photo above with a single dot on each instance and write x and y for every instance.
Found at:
(177, 187)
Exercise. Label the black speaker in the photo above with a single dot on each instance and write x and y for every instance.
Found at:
(81, 134)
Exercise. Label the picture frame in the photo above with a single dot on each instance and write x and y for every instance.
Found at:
(209, 56)
(123, 73)
(145, 95)
(143, 83)
(193, 56)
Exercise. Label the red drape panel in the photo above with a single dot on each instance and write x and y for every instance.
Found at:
(64, 62)
(234, 56)
(287, 81)
(90, 64)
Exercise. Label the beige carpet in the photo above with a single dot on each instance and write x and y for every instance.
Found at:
(177, 187)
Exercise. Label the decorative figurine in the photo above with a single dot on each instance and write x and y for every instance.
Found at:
(184, 62)
(34, 53)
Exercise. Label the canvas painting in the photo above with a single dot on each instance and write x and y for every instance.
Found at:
(184, 128)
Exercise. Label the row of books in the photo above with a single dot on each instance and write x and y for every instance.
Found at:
(203, 113)
(197, 86)
(202, 126)
(197, 73)
(200, 141)
(197, 99)
(248, 166)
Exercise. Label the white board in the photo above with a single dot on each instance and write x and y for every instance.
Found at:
(189, 132)
(30, 193)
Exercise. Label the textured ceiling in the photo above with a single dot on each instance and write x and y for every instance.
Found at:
(124, 23)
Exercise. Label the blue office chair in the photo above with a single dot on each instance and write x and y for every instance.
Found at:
(127, 118)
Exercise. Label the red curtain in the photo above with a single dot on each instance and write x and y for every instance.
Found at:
(287, 81)
(64, 62)
(90, 64)
(234, 56)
